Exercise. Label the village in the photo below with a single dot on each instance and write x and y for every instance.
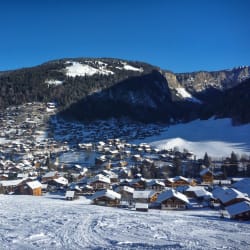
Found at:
(40, 154)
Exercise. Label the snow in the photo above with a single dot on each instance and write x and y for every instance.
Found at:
(182, 92)
(130, 67)
(79, 69)
(50, 222)
(53, 82)
(217, 137)
(34, 184)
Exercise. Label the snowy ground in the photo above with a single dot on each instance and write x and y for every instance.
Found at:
(49, 222)
(216, 137)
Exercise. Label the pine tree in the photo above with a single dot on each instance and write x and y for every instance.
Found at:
(207, 160)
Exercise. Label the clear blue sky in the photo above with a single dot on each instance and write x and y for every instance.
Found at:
(181, 36)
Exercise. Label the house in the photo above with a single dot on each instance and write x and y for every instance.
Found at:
(70, 195)
(179, 181)
(111, 175)
(50, 176)
(197, 192)
(99, 182)
(143, 198)
(156, 185)
(207, 176)
(10, 186)
(171, 199)
(126, 194)
(243, 185)
(239, 210)
(34, 188)
(106, 197)
(139, 183)
(229, 196)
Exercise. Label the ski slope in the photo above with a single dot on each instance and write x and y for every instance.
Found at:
(216, 137)
(50, 222)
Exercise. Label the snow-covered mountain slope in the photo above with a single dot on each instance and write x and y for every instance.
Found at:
(183, 93)
(78, 69)
(50, 222)
(216, 137)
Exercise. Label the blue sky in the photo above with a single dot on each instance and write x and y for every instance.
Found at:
(179, 35)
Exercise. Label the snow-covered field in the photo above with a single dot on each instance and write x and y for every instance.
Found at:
(216, 137)
(49, 222)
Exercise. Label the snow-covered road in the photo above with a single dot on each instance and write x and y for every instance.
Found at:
(49, 222)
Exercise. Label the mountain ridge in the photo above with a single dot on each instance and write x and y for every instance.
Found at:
(117, 87)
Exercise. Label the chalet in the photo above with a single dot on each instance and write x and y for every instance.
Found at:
(179, 181)
(198, 192)
(229, 196)
(126, 194)
(106, 197)
(99, 182)
(239, 210)
(50, 176)
(156, 185)
(10, 186)
(171, 199)
(139, 183)
(243, 185)
(207, 176)
(70, 195)
(33, 188)
(143, 198)
(111, 175)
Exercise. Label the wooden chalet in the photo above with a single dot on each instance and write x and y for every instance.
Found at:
(10, 186)
(34, 188)
(126, 194)
(239, 210)
(142, 199)
(179, 181)
(229, 196)
(99, 182)
(106, 197)
(139, 183)
(207, 176)
(156, 185)
(171, 199)
(50, 176)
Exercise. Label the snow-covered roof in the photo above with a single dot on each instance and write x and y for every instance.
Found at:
(126, 189)
(50, 174)
(101, 178)
(106, 193)
(178, 178)
(145, 194)
(238, 208)
(61, 180)
(11, 182)
(199, 191)
(34, 184)
(227, 194)
(204, 171)
(243, 185)
(157, 182)
(171, 193)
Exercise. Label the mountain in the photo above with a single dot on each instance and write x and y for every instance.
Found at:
(100, 88)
